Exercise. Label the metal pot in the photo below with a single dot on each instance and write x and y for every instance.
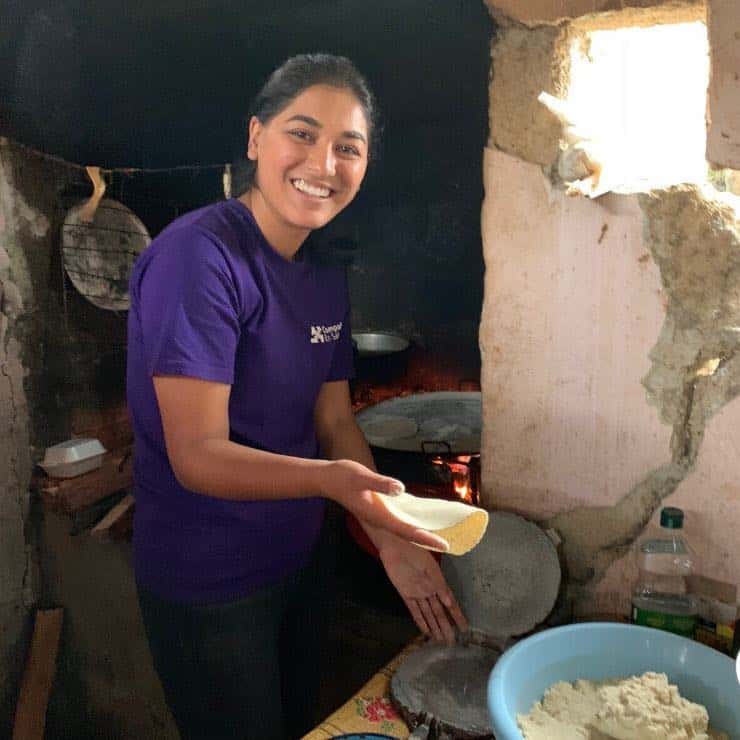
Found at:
(380, 357)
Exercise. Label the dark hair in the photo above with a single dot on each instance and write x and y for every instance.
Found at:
(294, 76)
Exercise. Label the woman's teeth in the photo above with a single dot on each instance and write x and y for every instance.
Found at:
(315, 190)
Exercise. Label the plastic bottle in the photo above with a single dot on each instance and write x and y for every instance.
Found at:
(665, 559)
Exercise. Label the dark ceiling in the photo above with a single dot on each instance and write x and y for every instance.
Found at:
(163, 83)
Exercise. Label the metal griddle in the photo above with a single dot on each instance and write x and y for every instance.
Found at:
(444, 421)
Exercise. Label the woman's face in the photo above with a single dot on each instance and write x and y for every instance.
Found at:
(311, 157)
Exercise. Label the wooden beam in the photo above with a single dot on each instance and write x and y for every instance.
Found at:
(30, 713)
(106, 526)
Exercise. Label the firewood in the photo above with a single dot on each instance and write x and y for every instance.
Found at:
(106, 527)
(85, 519)
(30, 714)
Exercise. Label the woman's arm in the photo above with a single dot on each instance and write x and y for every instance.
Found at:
(196, 431)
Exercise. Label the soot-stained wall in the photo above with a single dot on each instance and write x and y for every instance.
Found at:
(59, 354)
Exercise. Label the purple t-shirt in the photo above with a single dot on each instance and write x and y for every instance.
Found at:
(211, 299)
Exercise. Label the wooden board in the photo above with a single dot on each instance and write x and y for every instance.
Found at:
(106, 528)
(30, 714)
(443, 688)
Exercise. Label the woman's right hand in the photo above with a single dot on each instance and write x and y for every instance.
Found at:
(355, 487)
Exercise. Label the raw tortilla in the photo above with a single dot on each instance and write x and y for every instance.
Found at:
(643, 707)
(389, 427)
(460, 524)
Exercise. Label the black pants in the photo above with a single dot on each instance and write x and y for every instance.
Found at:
(247, 669)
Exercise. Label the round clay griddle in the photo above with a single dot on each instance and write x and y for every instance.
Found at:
(444, 687)
(506, 586)
(449, 418)
(509, 582)
(98, 256)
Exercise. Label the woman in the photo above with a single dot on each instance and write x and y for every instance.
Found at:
(239, 354)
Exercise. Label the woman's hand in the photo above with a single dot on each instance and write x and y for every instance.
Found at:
(355, 487)
(422, 586)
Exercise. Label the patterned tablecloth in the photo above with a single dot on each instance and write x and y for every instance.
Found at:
(370, 709)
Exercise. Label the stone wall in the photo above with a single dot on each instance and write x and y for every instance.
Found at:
(536, 12)
(609, 338)
(27, 203)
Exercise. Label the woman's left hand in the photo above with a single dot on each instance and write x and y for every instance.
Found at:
(422, 586)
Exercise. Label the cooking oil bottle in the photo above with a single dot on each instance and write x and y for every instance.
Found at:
(665, 559)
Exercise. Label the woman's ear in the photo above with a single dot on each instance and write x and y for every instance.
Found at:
(255, 126)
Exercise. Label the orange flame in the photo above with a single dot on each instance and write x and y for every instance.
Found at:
(460, 473)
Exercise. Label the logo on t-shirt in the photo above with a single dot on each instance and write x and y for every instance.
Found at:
(321, 334)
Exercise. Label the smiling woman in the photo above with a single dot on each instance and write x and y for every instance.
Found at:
(239, 353)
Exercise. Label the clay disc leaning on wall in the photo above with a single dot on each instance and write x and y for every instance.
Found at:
(509, 583)
(98, 256)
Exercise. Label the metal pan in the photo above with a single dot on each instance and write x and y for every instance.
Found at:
(380, 357)
(379, 344)
(440, 422)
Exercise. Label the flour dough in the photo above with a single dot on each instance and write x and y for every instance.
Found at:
(387, 428)
(643, 707)
(440, 429)
(461, 525)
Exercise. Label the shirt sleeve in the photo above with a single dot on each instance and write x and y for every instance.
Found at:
(343, 361)
(190, 309)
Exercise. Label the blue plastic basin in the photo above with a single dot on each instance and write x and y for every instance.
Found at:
(602, 650)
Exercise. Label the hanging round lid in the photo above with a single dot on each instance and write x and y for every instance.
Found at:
(98, 255)
(438, 422)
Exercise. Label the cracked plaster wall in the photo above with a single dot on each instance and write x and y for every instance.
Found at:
(597, 316)
(723, 138)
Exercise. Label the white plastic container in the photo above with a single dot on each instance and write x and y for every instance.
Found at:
(73, 457)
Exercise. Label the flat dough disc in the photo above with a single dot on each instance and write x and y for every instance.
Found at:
(460, 524)
(386, 428)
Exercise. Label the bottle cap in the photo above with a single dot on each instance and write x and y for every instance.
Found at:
(671, 518)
